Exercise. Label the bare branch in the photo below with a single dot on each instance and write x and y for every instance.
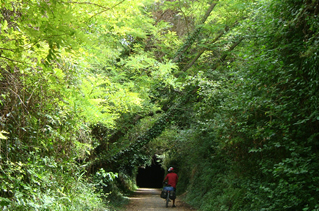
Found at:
(7, 49)
(72, 2)
(108, 9)
(25, 107)
(98, 5)
(10, 59)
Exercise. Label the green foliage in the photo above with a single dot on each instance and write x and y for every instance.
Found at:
(45, 184)
(255, 125)
(51, 94)
(95, 86)
(104, 180)
(2, 135)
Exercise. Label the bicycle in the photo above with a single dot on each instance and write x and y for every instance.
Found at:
(166, 193)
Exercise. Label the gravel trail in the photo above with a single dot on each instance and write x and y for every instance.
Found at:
(149, 199)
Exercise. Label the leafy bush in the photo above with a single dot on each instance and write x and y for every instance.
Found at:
(44, 184)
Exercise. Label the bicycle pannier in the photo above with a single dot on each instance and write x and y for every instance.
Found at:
(172, 195)
(164, 194)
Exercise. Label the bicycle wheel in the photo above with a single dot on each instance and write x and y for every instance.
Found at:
(167, 198)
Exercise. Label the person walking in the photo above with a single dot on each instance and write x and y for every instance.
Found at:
(172, 179)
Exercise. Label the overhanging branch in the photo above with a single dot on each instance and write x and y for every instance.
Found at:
(201, 52)
(191, 39)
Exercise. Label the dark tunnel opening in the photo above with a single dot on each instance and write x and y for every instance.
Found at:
(150, 176)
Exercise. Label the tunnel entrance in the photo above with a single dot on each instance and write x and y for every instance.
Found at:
(150, 176)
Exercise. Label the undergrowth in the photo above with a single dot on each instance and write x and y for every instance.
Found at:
(45, 184)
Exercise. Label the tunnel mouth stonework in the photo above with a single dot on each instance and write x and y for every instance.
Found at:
(150, 176)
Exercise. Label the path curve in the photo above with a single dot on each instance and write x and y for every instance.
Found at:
(149, 199)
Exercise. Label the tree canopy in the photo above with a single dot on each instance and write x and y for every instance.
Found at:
(224, 91)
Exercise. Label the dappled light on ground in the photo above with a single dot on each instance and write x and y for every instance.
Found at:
(149, 199)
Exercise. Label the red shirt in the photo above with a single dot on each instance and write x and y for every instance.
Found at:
(172, 179)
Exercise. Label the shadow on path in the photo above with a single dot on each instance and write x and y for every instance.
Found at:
(149, 199)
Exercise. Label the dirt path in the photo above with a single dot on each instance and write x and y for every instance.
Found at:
(149, 199)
